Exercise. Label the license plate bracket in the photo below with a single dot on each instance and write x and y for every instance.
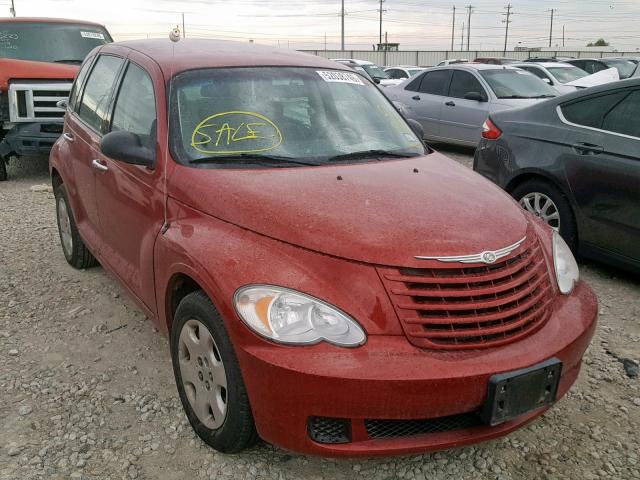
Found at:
(515, 393)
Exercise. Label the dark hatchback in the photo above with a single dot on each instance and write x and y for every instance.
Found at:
(574, 161)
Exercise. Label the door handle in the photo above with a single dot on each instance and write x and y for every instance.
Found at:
(416, 97)
(68, 137)
(450, 104)
(98, 165)
(584, 148)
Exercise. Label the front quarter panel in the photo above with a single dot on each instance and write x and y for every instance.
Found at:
(222, 257)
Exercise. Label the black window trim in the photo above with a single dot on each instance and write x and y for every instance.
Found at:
(80, 87)
(564, 120)
(118, 76)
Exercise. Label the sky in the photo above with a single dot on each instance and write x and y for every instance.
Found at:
(415, 24)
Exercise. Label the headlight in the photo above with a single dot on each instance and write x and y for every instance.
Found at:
(287, 316)
(566, 267)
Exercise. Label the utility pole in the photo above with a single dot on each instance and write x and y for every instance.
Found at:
(506, 21)
(342, 37)
(184, 34)
(12, 9)
(462, 38)
(325, 41)
(551, 27)
(470, 8)
(453, 26)
(381, 10)
(562, 36)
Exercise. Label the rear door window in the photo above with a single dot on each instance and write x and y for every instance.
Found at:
(623, 118)
(435, 83)
(463, 83)
(592, 111)
(135, 108)
(97, 92)
(77, 85)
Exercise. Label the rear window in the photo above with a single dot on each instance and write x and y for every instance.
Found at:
(590, 112)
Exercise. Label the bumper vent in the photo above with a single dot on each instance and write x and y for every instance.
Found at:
(329, 430)
(408, 428)
(36, 102)
(469, 307)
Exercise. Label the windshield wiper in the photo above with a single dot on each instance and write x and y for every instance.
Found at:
(371, 154)
(515, 96)
(70, 60)
(546, 95)
(251, 158)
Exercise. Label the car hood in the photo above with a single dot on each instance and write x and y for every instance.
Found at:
(598, 78)
(383, 213)
(12, 69)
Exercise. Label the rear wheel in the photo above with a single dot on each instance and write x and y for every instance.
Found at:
(208, 376)
(546, 202)
(74, 249)
(3, 169)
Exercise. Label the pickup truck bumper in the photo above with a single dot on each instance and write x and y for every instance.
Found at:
(30, 139)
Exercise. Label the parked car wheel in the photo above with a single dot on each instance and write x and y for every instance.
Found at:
(74, 249)
(550, 205)
(208, 377)
(3, 170)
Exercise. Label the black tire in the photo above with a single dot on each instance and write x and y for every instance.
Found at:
(77, 255)
(568, 228)
(3, 170)
(238, 430)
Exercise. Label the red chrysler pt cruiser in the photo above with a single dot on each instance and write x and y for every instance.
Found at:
(327, 281)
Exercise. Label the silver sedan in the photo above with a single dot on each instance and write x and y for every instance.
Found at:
(451, 103)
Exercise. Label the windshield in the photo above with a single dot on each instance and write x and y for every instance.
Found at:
(625, 67)
(375, 71)
(512, 83)
(567, 74)
(236, 116)
(50, 42)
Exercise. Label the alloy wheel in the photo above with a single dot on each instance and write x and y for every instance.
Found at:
(203, 374)
(542, 206)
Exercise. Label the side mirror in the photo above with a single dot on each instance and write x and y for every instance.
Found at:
(547, 80)
(62, 104)
(376, 80)
(477, 96)
(416, 127)
(126, 147)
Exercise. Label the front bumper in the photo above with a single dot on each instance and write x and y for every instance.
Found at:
(30, 139)
(388, 379)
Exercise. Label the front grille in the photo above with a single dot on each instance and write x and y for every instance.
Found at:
(329, 430)
(470, 307)
(407, 428)
(35, 102)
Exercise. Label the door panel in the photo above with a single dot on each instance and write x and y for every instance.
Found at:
(603, 170)
(129, 197)
(462, 119)
(426, 103)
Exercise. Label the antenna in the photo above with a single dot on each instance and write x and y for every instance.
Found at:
(174, 36)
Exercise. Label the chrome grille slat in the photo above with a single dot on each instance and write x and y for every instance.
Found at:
(473, 306)
(32, 101)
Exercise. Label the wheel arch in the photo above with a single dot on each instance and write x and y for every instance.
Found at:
(525, 176)
(179, 286)
(56, 178)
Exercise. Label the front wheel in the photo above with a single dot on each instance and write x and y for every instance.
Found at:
(546, 202)
(208, 377)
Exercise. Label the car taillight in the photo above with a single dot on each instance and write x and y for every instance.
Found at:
(490, 131)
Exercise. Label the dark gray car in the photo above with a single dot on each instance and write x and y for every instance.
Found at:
(574, 161)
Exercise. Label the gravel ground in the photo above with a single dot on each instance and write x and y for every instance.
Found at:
(86, 388)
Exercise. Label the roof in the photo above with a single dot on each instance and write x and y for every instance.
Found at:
(359, 62)
(545, 64)
(47, 20)
(474, 66)
(192, 53)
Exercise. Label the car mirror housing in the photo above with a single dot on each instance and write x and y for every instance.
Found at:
(547, 81)
(127, 147)
(477, 96)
